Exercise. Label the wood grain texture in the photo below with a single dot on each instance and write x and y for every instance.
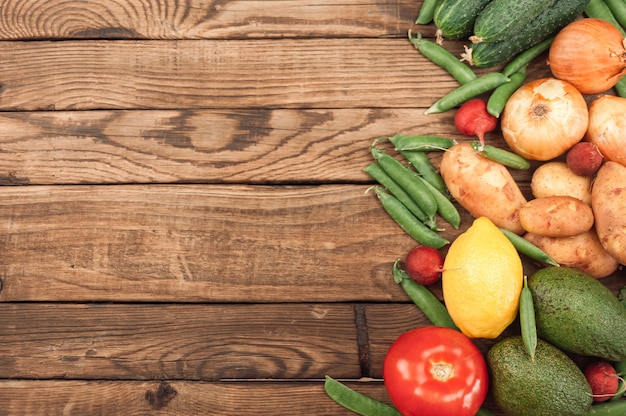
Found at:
(177, 342)
(175, 398)
(252, 74)
(197, 243)
(189, 19)
(260, 146)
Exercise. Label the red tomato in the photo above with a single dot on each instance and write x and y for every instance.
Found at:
(435, 371)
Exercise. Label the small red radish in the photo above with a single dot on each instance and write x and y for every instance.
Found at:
(603, 380)
(424, 264)
(584, 159)
(473, 119)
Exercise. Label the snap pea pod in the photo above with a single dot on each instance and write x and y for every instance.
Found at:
(357, 402)
(523, 59)
(610, 408)
(445, 207)
(407, 221)
(421, 143)
(405, 178)
(423, 298)
(421, 163)
(443, 58)
(498, 98)
(529, 249)
(527, 320)
(427, 12)
(618, 9)
(376, 172)
(484, 412)
(502, 156)
(467, 91)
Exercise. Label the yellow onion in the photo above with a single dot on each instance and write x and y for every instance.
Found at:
(607, 127)
(590, 54)
(544, 118)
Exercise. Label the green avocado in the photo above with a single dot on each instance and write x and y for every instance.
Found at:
(577, 313)
(552, 384)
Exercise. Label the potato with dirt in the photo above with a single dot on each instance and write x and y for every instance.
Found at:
(608, 201)
(583, 252)
(482, 186)
(556, 216)
(556, 178)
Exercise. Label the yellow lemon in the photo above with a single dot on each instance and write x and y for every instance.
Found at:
(482, 280)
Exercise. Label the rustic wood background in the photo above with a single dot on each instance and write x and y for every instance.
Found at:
(184, 227)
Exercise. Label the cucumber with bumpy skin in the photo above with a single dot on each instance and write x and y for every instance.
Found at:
(489, 54)
(501, 19)
(455, 19)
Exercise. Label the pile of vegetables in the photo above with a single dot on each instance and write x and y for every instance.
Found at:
(575, 218)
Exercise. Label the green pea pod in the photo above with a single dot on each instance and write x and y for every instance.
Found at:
(405, 178)
(618, 9)
(421, 163)
(520, 62)
(529, 249)
(443, 58)
(355, 401)
(611, 408)
(424, 299)
(498, 98)
(445, 207)
(527, 320)
(501, 156)
(421, 143)
(407, 221)
(468, 91)
(426, 12)
(376, 172)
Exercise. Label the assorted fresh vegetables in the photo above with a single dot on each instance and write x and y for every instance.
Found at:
(574, 222)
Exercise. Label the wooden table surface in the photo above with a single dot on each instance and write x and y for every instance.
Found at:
(184, 228)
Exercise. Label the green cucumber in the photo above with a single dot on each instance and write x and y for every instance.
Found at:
(490, 54)
(455, 19)
(501, 19)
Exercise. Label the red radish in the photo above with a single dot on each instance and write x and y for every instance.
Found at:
(473, 119)
(603, 380)
(584, 159)
(424, 264)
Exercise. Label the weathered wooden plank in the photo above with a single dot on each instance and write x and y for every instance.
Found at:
(261, 146)
(174, 342)
(175, 398)
(289, 73)
(197, 243)
(169, 19)
(200, 243)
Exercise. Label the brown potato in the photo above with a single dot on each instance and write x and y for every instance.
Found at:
(556, 216)
(583, 252)
(556, 178)
(608, 201)
(483, 187)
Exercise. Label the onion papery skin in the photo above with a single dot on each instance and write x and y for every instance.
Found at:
(590, 54)
(607, 127)
(544, 118)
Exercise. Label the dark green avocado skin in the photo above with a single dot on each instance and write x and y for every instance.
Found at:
(552, 384)
(577, 313)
